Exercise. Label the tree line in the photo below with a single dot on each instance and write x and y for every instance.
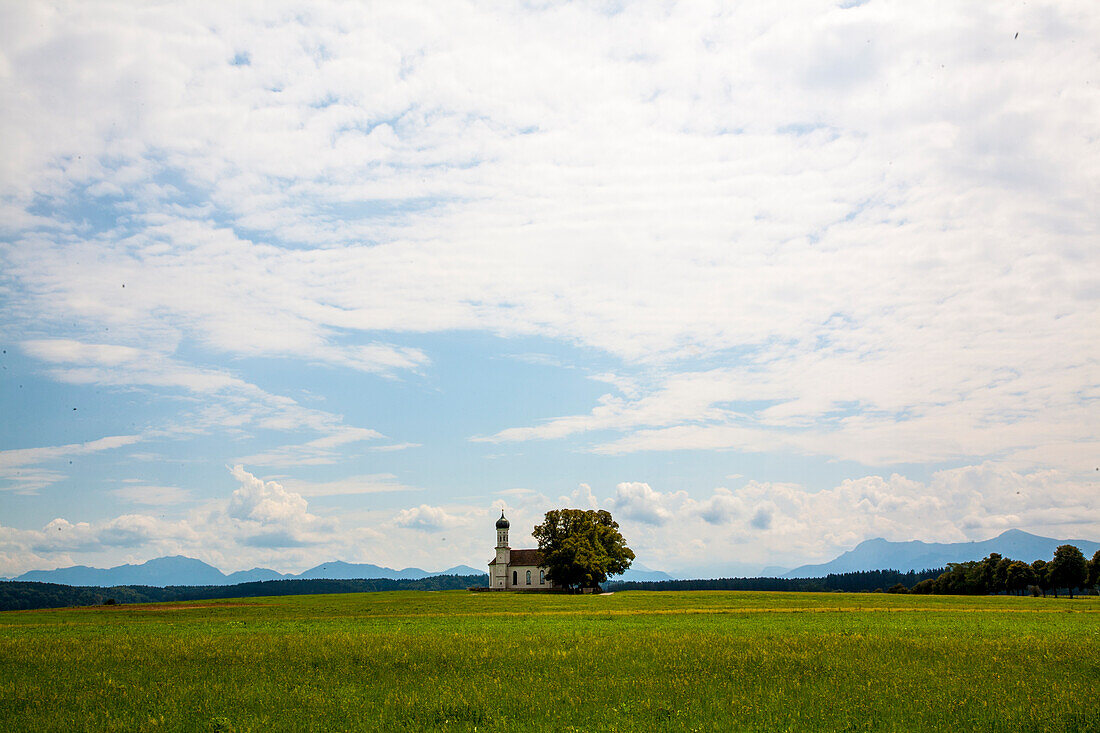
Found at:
(22, 595)
(862, 581)
(1067, 570)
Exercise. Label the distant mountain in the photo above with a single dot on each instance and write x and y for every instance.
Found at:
(773, 571)
(254, 575)
(880, 554)
(338, 570)
(462, 570)
(640, 575)
(179, 570)
(639, 572)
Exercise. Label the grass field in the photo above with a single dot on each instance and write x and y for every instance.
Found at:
(502, 662)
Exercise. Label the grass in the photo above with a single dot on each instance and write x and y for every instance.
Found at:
(502, 662)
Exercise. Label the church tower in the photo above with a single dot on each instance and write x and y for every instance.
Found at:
(503, 551)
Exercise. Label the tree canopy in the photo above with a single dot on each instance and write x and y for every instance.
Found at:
(581, 547)
(1094, 570)
(1068, 569)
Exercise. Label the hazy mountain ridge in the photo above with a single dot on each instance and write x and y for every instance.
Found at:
(180, 570)
(874, 554)
(880, 554)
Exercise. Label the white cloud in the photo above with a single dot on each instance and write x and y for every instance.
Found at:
(320, 451)
(581, 498)
(393, 447)
(638, 501)
(28, 456)
(424, 517)
(764, 523)
(70, 351)
(226, 401)
(860, 233)
(21, 471)
(265, 501)
(770, 164)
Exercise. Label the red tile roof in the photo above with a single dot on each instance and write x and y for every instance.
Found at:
(522, 557)
(525, 557)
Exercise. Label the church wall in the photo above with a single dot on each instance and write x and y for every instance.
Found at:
(497, 577)
(521, 571)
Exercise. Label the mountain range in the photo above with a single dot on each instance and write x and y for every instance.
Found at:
(880, 554)
(876, 554)
(180, 570)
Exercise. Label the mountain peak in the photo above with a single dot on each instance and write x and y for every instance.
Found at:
(880, 554)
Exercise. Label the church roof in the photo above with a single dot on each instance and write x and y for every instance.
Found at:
(525, 557)
(522, 557)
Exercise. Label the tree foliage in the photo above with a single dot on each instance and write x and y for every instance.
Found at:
(1018, 576)
(581, 547)
(1094, 571)
(996, 574)
(1068, 569)
(860, 581)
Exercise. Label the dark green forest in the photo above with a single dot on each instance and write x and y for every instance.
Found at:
(864, 581)
(19, 595)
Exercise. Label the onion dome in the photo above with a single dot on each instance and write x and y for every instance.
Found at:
(502, 523)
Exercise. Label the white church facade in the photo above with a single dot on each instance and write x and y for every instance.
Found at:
(515, 569)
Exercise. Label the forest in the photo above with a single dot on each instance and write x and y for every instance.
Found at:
(21, 595)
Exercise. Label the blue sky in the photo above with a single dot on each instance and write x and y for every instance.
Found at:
(283, 285)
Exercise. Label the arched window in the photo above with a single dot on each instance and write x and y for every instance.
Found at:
(515, 578)
(528, 577)
(542, 577)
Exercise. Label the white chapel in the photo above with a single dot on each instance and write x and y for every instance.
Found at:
(515, 569)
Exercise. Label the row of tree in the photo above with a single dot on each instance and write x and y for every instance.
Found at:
(863, 581)
(1068, 570)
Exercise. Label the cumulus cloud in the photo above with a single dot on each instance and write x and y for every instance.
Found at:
(265, 501)
(261, 523)
(125, 531)
(424, 517)
(767, 523)
(638, 501)
(581, 498)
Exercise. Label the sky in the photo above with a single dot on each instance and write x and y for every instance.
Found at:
(283, 284)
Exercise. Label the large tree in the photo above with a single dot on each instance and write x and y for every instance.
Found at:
(1068, 569)
(581, 548)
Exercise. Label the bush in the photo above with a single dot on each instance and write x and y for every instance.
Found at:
(898, 588)
(924, 587)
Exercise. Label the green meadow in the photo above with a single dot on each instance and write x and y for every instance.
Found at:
(507, 662)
